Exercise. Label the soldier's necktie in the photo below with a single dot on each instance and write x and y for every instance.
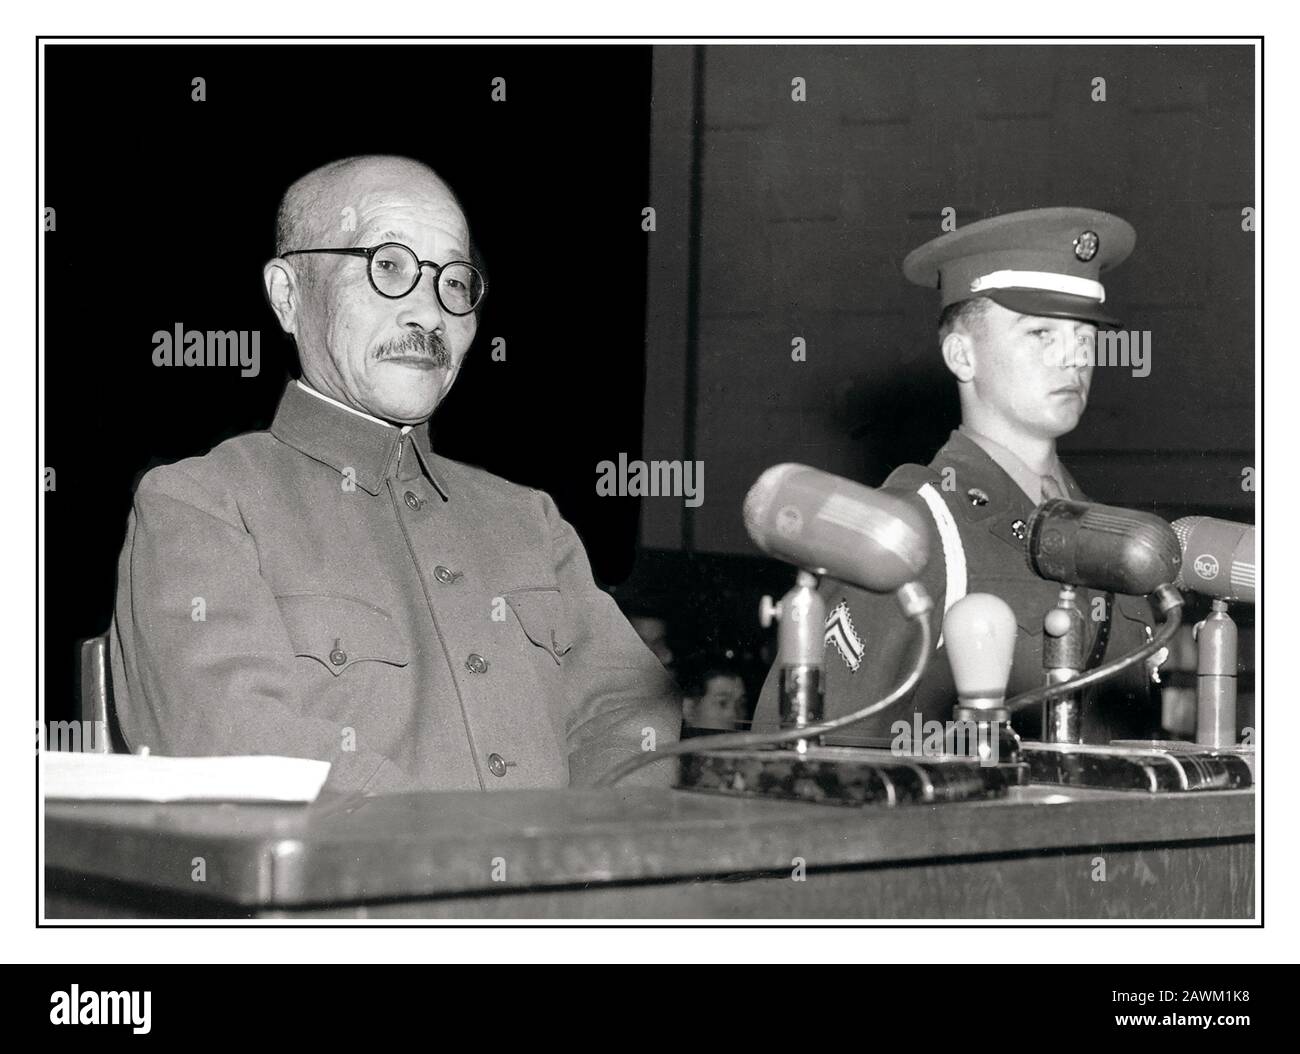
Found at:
(1052, 489)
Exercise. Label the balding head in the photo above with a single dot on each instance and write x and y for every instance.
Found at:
(392, 358)
(316, 206)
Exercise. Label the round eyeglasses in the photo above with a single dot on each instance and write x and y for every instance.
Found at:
(395, 271)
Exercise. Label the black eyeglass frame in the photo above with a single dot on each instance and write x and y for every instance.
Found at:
(369, 254)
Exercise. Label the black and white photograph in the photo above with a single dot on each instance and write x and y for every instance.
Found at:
(648, 482)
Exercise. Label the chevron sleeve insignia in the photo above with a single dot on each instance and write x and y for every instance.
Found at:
(840, 633)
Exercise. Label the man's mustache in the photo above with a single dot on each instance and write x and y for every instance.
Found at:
(418, 345)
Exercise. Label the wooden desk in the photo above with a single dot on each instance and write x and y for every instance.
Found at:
(658, 854)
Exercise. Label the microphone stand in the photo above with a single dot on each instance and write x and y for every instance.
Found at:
(1064, 643)
(800, 648)
(1216, 677)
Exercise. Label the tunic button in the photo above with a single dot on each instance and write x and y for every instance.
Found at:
(412, 502)
(476, 663)
(338, 656)
(444, 574)
(496, 764)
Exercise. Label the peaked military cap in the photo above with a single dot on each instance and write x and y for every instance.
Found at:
(1044, 262)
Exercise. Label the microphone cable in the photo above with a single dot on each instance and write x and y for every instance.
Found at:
(1171, 608)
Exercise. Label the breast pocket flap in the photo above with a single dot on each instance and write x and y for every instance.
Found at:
(339, 632)
(541, 616)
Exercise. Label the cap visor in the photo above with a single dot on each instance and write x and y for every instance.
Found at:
(1047, 304)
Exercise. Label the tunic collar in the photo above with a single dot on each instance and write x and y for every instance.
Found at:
(343, 406)
(1029, 481)
(343, 438)
(972, 463)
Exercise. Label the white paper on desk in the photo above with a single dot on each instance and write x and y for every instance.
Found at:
(69, 775)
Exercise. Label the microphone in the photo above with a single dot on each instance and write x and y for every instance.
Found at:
(832, 526)
(1218, 558)
(1102, 547)
(823, 524)
(1081, 543)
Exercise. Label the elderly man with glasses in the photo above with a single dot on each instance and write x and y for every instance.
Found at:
(334, 589)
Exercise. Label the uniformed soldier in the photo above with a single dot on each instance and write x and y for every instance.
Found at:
(1022, 300)
(334, 589)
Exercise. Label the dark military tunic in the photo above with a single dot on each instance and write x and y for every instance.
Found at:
(871, 645)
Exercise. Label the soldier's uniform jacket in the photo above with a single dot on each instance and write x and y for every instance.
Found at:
(870, 645)
(333, 589)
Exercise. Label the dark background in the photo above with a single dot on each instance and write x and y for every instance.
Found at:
(166, 213)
